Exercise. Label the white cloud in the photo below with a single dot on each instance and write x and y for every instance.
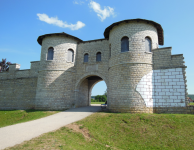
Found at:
(75, 2)
(78, 2)
(102, 14)
(60, 23)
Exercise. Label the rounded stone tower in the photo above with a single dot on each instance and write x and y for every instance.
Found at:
(130, 43)
(56, 71)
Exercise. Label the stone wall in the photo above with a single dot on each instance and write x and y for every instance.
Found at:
(90, 68)
(124, 97)
(56, 78)
(18, 88)
(92, 48)
(18, 93)
(127, 68)
(55, 90)
(61, 45)
(163, 88)
(83, 99)
(136, 32)
(162, 59)
(34, 68)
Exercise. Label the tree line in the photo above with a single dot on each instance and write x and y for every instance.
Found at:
(100, 98)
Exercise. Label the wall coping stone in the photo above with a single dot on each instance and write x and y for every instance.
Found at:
(34, 61)
(177, 55)
(170, 67)
(23, 70)
(15, 64)
(92, 41)
(148, 52)
(162, 48)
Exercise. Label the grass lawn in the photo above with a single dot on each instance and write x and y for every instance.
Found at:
(97, 102)
(120, 131)
(191, 103)
(17, 116)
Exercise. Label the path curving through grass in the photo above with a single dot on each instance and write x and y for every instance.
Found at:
(10, 117)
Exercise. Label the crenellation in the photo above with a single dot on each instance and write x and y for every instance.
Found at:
(14, 67)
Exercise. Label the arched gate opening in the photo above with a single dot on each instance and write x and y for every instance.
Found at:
(84, 89)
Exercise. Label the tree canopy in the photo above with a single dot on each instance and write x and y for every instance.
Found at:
(105, 93)
(100, 98)
(4, 66)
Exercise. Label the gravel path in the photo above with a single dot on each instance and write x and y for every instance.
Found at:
(18, 133)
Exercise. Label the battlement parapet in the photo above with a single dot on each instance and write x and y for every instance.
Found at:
(14, 67)
(162, 58)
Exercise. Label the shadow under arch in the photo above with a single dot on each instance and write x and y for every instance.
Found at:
(84, 87)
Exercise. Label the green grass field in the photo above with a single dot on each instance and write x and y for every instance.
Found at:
(120, 131)
(191, 103)
(18, 116)
(97, 102)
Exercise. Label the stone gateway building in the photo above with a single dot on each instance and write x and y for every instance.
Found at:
(140, 77)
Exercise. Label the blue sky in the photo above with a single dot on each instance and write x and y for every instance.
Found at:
(22, 21)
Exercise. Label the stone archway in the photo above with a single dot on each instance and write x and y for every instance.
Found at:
(84, 87)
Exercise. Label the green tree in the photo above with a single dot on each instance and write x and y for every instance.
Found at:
(97, 98)
(105, 93)
(104, 97)
(100, 98)
(4, 66)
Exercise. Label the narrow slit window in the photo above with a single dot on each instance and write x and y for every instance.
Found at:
(70, 56)
(148, 44)
(50, 53)
(124, 44)
(98, 56)
(86, 58)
